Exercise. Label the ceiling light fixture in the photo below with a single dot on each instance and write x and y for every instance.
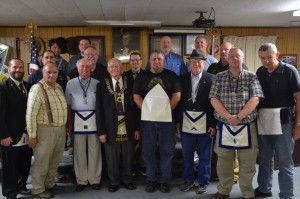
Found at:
(296, 13)
(124, 23)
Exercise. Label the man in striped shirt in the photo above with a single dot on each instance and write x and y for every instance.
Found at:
(46, 118)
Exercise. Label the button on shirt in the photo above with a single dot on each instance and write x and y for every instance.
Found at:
(245, 87)
(36, 109)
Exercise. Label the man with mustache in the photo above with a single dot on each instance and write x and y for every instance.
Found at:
(16, 154)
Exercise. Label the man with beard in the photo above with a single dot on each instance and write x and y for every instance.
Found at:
(99, 71)
(173, 61)
(16, 154)
(157, 92)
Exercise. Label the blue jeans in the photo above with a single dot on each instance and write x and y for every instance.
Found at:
(161, 136)
(283, 146)
(203, 144)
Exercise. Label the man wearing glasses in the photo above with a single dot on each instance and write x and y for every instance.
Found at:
(135, 62)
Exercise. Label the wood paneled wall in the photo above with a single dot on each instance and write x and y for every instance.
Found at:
(288, 39)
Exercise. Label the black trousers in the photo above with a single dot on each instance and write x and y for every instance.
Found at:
(119, 159)
(15, 170)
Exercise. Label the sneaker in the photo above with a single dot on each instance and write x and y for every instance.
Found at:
(59, 177)
(186, 186)
(259, 193)
(164, 188)
(71, 151)
(150, 187)
(201, 189)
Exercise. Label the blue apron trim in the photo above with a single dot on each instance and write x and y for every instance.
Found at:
(83, 118)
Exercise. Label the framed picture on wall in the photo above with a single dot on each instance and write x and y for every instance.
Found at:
(98, 42)
(289, 59)
(176, 43)
(125, 41)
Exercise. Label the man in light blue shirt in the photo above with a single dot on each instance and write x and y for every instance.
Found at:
(201, 46)
(81, 100)
(173, 61)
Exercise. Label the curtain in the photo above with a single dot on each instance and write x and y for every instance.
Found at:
(12, 43)
(250, 46)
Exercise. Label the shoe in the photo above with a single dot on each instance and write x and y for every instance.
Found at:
(59, 177)
(164, 188)
(96, 186)
(150, 187)
(201, 189)
(25, 191)
(219, 196)
(70, 151)
(113, 188)
(259, 193)
(11, 197)
(143, 171)
(55, 188)
(80, 187)
(44, 194)
(186, 186)
(129, 186)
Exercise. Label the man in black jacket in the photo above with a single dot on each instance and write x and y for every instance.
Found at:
(16, 154)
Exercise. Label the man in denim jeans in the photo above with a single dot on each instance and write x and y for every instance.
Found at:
(278, 128)
(156, 93)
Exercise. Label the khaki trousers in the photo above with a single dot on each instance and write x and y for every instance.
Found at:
(246, 159)
(87, 159)
(47, 155)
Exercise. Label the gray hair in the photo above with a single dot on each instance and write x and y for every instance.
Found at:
(93, 47)
(158, 52)
(109, 62)
(48, 63)
(201, 36)
(268, 46)
(84, 59)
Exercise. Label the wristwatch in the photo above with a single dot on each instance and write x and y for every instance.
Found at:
(297, 124)
(239, 119)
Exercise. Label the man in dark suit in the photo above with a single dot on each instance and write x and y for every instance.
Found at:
(16, 154)
(198, 125)
(117, 125)
(135, 62)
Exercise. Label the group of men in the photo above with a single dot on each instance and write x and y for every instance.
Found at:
(103, 105)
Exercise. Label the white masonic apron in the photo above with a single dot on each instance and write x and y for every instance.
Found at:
(194, 122)
(23, 142)
(268, 121)
(156, 106)
(234, 137)
(84, 122)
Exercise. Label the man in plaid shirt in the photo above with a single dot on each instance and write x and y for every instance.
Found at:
(235, 95)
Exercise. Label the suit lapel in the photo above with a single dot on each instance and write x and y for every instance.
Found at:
(202, 83)
(16, 89)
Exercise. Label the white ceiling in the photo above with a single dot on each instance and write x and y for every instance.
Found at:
(233, 13)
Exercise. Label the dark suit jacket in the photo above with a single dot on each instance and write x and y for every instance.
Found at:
(106, 111)
(202, 102)
(12, 110)
(129, 73)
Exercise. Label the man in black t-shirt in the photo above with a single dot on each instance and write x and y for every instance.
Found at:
(157, 92)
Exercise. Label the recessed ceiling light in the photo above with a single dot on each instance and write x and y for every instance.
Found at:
(296, 13)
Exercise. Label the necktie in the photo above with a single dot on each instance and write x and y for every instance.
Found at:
(22, 90)
(119, 99)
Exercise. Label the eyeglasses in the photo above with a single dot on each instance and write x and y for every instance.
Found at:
(90, 54)
(235, 57)
(114, 66)
(135, 60)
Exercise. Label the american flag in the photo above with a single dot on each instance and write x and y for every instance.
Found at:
(33, 66)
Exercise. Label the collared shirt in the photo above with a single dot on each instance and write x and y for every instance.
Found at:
(195, 81)
(234, 93)
(36, 109)
(75, 94)
(121, 86)
(18, 84)
(174, 63)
